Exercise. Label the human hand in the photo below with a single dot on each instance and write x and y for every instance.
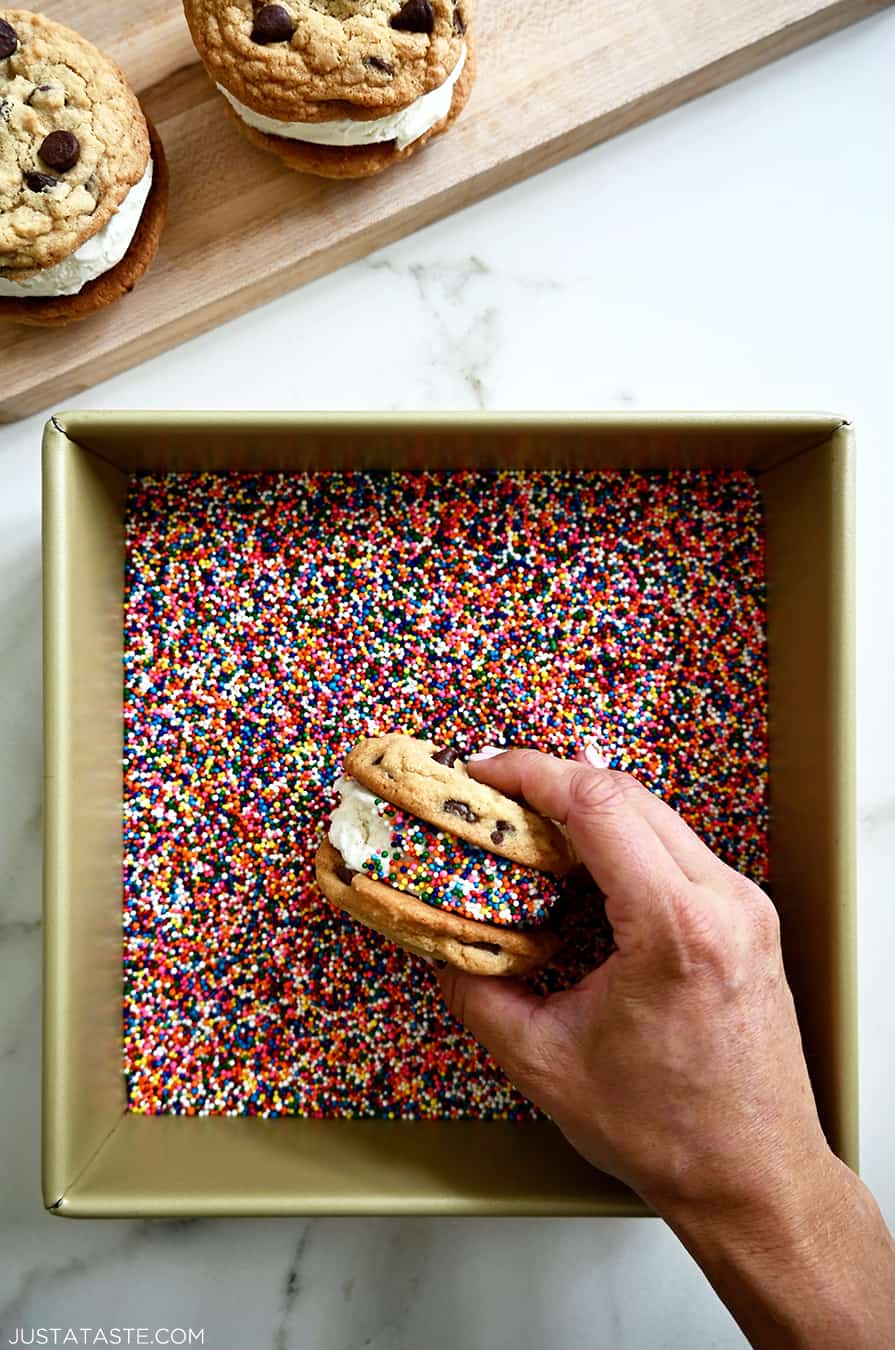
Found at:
(677, 1065)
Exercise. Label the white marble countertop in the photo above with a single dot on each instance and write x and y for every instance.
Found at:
(735, 254)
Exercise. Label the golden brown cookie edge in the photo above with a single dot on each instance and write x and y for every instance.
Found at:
(430, 932)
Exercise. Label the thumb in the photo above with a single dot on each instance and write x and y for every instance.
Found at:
(507, 1018)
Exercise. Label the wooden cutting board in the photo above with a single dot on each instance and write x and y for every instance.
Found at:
(555, 76)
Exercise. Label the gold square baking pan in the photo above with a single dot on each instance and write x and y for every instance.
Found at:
(98, 1159)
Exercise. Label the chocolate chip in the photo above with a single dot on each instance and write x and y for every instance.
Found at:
(38, 89)
(505, 827)
(461, 809)
(272, 23)
(9, 40)
(60, 150)
(459, 21)
(379, 759)
(377, 63)
(497, 837)
(414, 16)
(40, 182)
(5, 110)
(447, 756)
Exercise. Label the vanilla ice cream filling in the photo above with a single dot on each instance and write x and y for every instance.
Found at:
(356, 829)
(98, 254)
(403, 127)
(358, 832)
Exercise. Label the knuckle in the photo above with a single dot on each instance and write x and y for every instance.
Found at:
(703, 942)
(528, 761)
(526, 766)
(759, 909)
(732, 947)
(741, 889)
(596, 790)
(765, 921)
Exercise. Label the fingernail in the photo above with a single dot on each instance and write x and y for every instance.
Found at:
(594, 758)
(487, 752)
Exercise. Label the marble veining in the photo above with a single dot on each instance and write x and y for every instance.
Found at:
(292, 1287)
(464, 322)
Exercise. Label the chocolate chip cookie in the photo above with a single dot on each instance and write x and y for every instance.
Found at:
(431, 782)
(443, 865)
(341, 88)
(83, 180)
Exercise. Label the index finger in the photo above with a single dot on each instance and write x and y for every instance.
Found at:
(612, 836)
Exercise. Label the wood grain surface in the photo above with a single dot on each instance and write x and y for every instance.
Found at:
(553, 80)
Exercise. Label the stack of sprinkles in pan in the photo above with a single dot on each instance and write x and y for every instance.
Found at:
(271, 621)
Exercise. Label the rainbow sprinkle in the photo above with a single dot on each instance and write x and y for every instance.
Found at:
(450, 874)
(271, 621)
